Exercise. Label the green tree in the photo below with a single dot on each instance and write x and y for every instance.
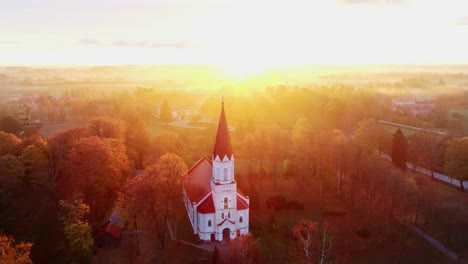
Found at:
(165, 115)
(77, 230)
(456, 160)
(399, 148)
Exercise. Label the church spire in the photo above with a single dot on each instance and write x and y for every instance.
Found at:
(223, 142)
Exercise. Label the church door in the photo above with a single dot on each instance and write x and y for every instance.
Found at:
(226, 234)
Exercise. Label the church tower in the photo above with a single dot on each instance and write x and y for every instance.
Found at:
(217, 209)
(223, 184)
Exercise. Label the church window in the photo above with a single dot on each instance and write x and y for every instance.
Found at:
(225, 203)
(222, 215)
(240, 219)
(217, 173)
(229, 214)
(225, 174)
(209, 223)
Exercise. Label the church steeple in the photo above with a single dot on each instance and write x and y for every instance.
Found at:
(222, 145)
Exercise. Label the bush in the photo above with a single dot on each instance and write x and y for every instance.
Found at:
(277, 202)
(295, 205)
(334, 210)
(363, 232)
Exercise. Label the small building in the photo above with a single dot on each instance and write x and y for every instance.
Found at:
(217, 209)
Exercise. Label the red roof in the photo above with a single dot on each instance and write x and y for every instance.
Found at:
(223, 142)
(114, 230)
(197, 183)
(207, 206)
(241, 204)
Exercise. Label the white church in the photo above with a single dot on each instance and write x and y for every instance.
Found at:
(216, 208)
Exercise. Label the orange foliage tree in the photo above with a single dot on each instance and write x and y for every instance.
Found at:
(96, 168)
(14, 254)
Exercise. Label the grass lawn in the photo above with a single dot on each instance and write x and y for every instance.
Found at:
(463, 110)
(389, 242)
(49, 130)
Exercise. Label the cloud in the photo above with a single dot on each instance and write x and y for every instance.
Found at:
(87, 41)
(374, 2)
(140, 44)
(463, 21)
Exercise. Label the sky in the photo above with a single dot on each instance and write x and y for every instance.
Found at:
(233, 33)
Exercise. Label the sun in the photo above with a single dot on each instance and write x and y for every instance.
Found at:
(243, 69)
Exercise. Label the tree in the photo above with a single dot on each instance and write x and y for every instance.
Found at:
(10, 125)
(314, 243)
(165, 115)
(14, 254)
(304, 233)
(130, 201)
(137, 141)
(77, 229)
(243, 250)
(35, 162)
(9, 143)
(166, 142)
(277, 152)
(399, 146)
(371, 136)
(106, 127)
(456, 160)
(96, 168)
(425, 149)
(171, 170)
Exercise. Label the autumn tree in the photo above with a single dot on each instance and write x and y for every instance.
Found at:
(244, 250)
(130, 202)
(426, 149)
(9, 143)
(137, 140)
(301, 141)
(456, 160)
(313, 242)
(58, 147)
(248, 148)
(277, 152)
(35, 162)
(399, 149)
(304, 233)
(371, 136)
(11, 125)
(106, 127)
(165, 114)
(77, 229)
(171, 170)
(96, 168)
(14, 254)
(166, 142)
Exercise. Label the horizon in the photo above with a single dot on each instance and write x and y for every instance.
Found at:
(239, 36)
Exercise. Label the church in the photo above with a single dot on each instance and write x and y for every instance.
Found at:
(216, 208)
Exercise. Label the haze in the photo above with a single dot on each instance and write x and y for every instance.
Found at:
(241, 36)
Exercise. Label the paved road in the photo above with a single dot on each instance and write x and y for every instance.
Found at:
(438, 176)
(435, 243)
(440, 133)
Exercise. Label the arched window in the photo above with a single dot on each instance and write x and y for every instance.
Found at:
(225, 174)
(217, 174)
(229, 214)
(222, 215)
(240, 219)
(225, 203)
(209, 223)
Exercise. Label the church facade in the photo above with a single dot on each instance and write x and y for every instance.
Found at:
(217, 209)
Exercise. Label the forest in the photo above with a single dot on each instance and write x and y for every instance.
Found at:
(327, 181)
